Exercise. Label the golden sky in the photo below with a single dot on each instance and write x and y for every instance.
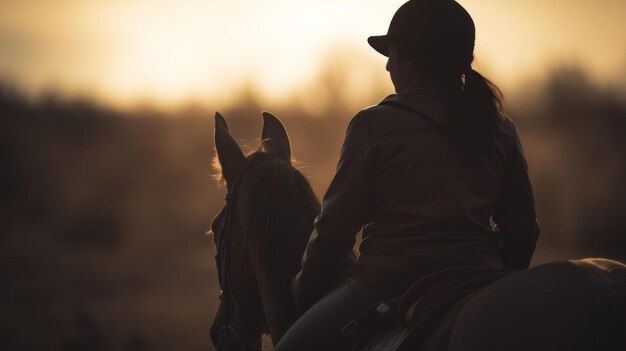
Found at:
(174, 50)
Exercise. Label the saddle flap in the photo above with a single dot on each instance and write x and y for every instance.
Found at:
(432, 289)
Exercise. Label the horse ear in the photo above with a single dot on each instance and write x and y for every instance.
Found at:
(229, 154)
(275, 139)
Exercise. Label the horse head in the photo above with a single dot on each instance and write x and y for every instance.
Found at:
(260, 235)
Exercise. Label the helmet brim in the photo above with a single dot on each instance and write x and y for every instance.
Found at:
(380, 43)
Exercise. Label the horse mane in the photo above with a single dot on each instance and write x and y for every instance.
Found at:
(279, 220)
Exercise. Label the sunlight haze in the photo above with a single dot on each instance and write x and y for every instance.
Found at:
(171, 51)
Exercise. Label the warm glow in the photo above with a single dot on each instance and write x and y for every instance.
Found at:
(170, 51)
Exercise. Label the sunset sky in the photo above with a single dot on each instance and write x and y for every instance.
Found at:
(170, 51)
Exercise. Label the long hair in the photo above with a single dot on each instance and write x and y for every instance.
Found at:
(478, 111)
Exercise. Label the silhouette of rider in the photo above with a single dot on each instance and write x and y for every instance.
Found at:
(434, 175)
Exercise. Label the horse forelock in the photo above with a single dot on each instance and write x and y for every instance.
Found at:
(216, 165)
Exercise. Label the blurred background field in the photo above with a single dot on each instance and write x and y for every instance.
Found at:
(106, 142)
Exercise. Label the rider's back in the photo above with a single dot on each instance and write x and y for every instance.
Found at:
(424, 203)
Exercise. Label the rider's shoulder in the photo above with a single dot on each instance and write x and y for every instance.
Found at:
(373, 112)
(365, 117)
(508, 129)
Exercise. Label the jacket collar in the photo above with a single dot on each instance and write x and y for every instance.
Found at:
(422, 102)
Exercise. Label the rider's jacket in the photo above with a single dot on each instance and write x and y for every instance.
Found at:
(421, 203)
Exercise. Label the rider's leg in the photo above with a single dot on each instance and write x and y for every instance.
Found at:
(322, 323)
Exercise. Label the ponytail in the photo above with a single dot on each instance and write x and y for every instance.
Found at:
(478, 112)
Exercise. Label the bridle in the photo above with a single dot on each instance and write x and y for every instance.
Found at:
(222, 263)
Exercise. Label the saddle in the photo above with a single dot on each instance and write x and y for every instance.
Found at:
(423, 316)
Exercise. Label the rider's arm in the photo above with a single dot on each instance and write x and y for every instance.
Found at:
(514, 212)
(344, 209)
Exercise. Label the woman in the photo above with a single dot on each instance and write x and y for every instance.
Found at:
(423, 173)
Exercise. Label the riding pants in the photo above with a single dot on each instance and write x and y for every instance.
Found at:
(321, 325)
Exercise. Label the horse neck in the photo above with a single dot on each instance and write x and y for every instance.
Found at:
(279, 316)
(279, 309)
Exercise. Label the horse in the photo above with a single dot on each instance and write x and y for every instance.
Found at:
(263, 229)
